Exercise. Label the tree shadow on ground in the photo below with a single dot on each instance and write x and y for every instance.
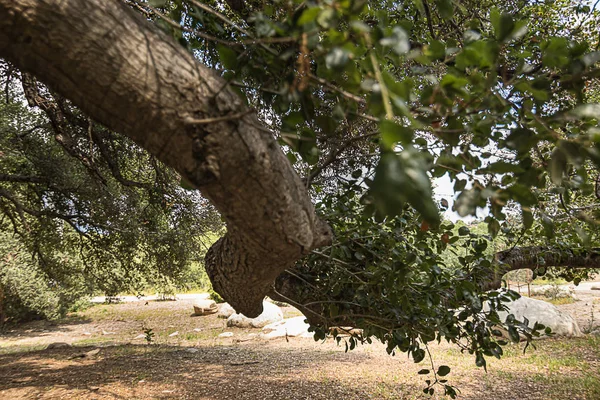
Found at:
(212, 372)
(294, 370)
(34, 328)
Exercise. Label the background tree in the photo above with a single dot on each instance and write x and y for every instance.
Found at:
(96, 213)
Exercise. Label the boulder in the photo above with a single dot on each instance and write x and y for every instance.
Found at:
(561, 322)
(225, 310)
(291, 327)
(271, 313)
(205, 307)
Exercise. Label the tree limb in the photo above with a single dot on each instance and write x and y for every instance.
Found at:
(535, 256)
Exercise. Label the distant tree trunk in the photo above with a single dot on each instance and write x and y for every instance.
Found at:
(126, 74)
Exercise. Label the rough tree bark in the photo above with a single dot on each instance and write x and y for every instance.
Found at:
(531, 257)
(123, 72)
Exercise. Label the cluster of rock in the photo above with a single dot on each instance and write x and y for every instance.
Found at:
(274, 326)
(271, 313)
(291, 327)
(270, 320)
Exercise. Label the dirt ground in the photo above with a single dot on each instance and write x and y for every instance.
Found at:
(109, 358)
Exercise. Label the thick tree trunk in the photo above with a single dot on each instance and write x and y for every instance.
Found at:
(127, 75)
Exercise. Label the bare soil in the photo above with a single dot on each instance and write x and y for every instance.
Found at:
(107, 360)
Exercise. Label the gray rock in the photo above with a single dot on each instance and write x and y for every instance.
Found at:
(291, 327)
(226, 335)
(225, 310)
(561, 322)
(271, 313)
(205, 307)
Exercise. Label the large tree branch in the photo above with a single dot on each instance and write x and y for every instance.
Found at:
(123, 72)
(535, 256)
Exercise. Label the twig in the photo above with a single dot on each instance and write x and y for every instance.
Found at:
(334, 88)
(384, 92)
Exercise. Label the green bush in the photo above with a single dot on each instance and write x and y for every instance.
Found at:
(25, 291)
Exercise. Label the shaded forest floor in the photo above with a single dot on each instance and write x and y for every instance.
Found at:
(111, 359)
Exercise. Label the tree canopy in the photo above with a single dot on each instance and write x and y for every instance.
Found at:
(316, 129)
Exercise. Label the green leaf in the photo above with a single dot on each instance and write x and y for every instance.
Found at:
(292, 120)
(445, 8)
(555, 52)
(480, 361)
(158, 3)
(392, 133)
(418, 355)
(480, 54)
(513, 334)
(548, 225)
(424, 371)
(402, 178)
(505, 27)
(527, 217)
(502, 167)
(337, 58)
(398, 41)
(436, 50)
(326, 18)
(186, 185)
(227, 56)
(468, 201)
(493, 227)
(495, 19)
(558, 165)
(521, 139)
(463, 231)
(309, 15)
(307, 146)
(443, 370)
(591, 110)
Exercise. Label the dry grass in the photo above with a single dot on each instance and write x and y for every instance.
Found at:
(557, 301)
(254, 369)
